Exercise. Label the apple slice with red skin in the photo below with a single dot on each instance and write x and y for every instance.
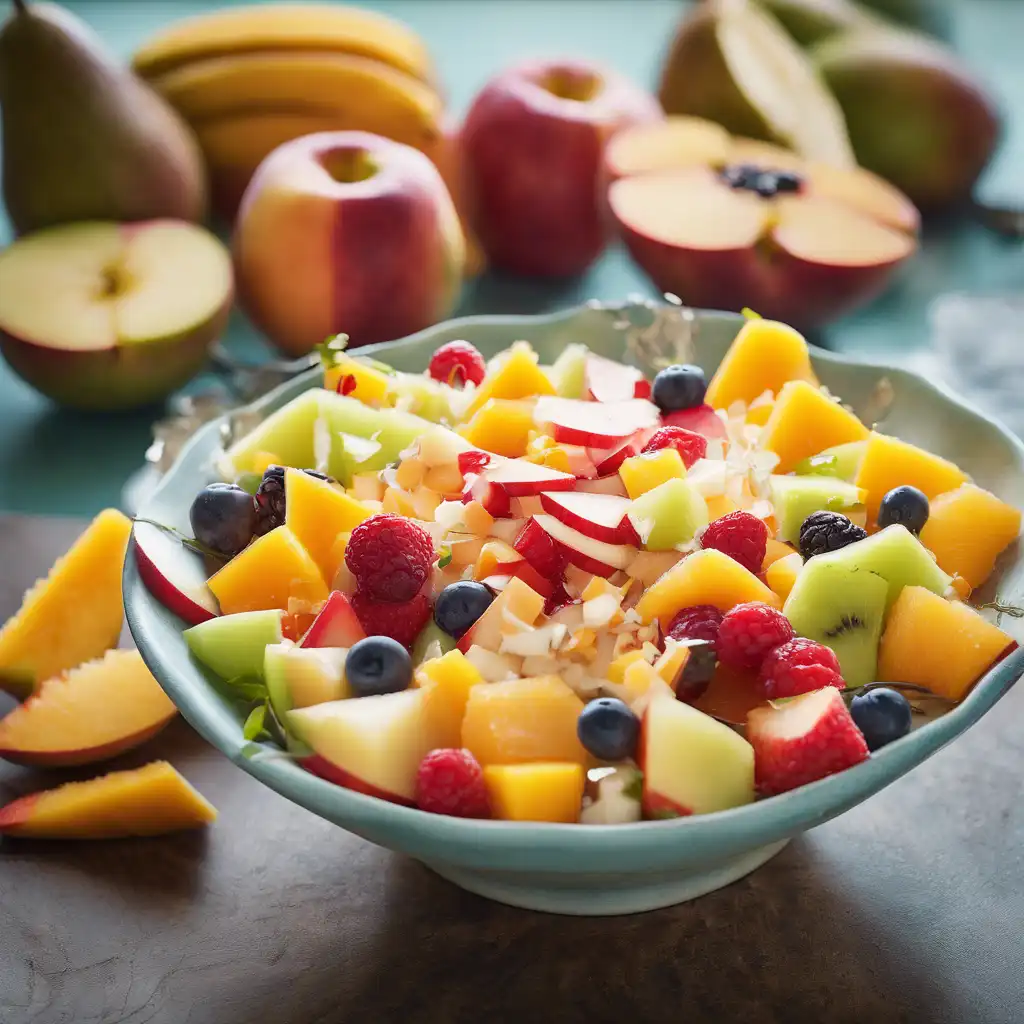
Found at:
(701, 419)
(322, 768)
(601, 516)
(608, 460)
(606, 380)
(336, 624)
(593, 424)
(528, 574)
(541, 550)
(797, 257)
(584, 552)
(174, 575)
(517, 478)
(494, 499)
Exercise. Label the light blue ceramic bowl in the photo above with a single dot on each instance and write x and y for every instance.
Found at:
(575, 869)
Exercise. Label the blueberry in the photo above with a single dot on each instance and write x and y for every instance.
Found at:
(608, 729)
(766, 184)
(679, 387)
(788, 181)
(882, 715)
(223, 518)
(459, 605)
(377, 664)
(905, 505)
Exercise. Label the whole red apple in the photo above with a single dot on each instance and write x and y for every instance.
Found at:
(532, 145)
(346, 232)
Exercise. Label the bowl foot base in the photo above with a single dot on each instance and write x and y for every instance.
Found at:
(600, 895)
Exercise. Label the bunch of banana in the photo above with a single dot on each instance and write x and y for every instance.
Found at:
(248, 79)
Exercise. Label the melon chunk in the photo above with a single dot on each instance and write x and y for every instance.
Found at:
(544, 791)
(764, 356)
(705, 577)
(889, 462)
(316, 512)
(523, 720)
(234, 646)
(273, 570)
(300, 677)
(968, 529)
(149, 801)
(88, 714)
(805, 420)
(943, 645)
(71, 616)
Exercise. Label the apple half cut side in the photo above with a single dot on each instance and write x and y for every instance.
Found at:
(110, 316)
(594, 424)
(801, 259)
(600, 516)
(174, 575)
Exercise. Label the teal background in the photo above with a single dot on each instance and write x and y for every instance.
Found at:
(61, 463)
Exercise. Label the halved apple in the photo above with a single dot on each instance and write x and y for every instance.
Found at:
(706, 224)
(111, 316)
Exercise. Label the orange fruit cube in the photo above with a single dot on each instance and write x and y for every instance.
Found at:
(517, 376)
(548, 791)
(642, 473)
(502, 426)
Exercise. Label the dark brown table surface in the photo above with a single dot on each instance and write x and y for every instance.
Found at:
(909, 908)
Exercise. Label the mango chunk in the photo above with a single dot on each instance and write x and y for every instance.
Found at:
(545, 791)
(943, 645)
(72, 615)
(448, 680)
(502, 426)
(351, 377)
(642, 473)
(517, 376)
(967, 530)
(764, 356)
(272, 571)
(806, 421)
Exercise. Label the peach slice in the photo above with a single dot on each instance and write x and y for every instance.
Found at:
(149, 801)
(89, 714)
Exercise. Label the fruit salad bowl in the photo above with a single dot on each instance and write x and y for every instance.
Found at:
(573, 868)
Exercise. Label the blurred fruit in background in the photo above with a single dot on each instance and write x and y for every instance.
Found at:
(84, 139)
(102, 316)
(532, 145)
(895, 101)
(728, 222)
(347, 232)
(251, 78)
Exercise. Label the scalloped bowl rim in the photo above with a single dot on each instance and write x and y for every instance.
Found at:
(786, 814)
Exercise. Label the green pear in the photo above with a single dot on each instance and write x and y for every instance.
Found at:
(84, 139)
(915, 114)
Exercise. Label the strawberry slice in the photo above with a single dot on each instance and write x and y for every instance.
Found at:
(803, 740)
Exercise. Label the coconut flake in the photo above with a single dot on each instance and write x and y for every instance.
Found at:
(448, 515)
(535, 642)
(599, 611)
(495, 668)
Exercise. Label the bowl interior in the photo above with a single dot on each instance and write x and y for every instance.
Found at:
(901, 403)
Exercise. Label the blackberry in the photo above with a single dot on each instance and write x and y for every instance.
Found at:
(270, 502)
(764, 182)
(827, 531)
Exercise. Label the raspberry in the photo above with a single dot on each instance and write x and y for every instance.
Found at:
(690, 445)
(827, 531)
(698, 622)
(401, 622)
(799, 666)
(749, 632)
(456, 363)
(390, 557)
(741, 536)
(451, 781)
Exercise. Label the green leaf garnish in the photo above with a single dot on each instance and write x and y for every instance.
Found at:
(446, 556)
(253, 727)
(330, 349)
(248, 689)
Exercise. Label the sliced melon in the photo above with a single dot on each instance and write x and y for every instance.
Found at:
(234, 646)
(796, 497)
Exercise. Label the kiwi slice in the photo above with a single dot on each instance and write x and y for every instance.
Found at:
(843, 608)
(894, 554)
(796, 497)
(841, 461)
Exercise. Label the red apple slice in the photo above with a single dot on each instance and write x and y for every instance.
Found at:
(594, 424)
(174, 575)
(701, 419)
(584, 552)
(494, 499)
(609, 381)
(474, 461)
(523, 570)
(539, 549)
(517, 478)
(336, 625)
(601, 516)
(608, 460)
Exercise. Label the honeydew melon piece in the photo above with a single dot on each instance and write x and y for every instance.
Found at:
(841, 461)
(234, 645)
(669, 515)
(796, 497)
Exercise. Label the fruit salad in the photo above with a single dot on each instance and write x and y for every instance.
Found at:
(583, 593)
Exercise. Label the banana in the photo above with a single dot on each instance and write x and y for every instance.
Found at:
(356, 92)
(261, 28)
